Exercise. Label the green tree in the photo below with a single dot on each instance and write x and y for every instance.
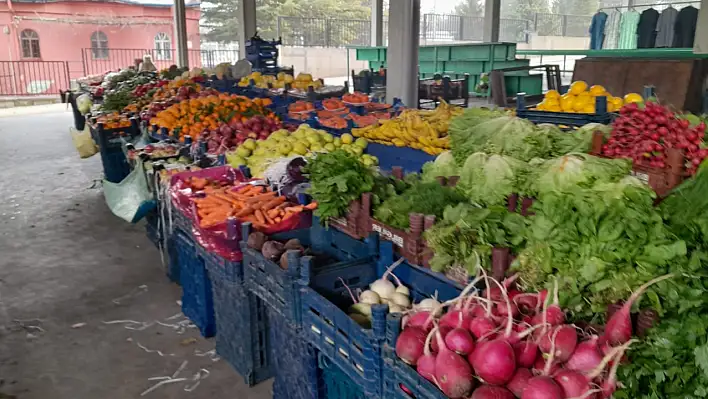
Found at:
(470, 8)
(523, 9)
(574, 7)
(220, 17)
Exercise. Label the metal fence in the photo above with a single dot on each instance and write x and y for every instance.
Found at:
(561, 25)
(27, 78)
(322, 32)
(440, 27)
(114, 59)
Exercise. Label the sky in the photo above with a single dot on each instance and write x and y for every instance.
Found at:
(438, 6)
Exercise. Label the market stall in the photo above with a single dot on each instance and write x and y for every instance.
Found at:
(350, 248)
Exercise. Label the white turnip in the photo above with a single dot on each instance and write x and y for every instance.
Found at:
(491, 392)
(382, 286)
(519, 381)
(619, 327)
(452, 372)
(542, 387)
(409, 346)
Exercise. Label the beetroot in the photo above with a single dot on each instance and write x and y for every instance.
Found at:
(619, 327)
(519, 381)
(542, 387)
(409, 346)
(452, 372)
(491, 392)
(586, 356)
(525, 353)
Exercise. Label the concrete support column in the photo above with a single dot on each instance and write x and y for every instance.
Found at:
(180, 22)
(377, 23)
(246, 24)
(492, 16)
(402, 53)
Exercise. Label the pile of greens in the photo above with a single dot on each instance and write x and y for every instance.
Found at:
(490, 179)
(672, 362)
(601, 242)
(463, 128)
(467, 233)
(443, 166)
(428, 198)
(338, 178)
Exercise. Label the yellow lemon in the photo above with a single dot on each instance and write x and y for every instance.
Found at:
(542, 106)
(589, 109)
(597, 90)
(347, 138)
(567, 102)
(633, 98)
(553, 94)
(555, 108)
(578, 87)
(580, 103)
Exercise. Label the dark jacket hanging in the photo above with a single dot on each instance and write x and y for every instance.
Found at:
(685, 28)
(647, 28)
(597, 30)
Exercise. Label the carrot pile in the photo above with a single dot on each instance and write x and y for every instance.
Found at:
(256, 204)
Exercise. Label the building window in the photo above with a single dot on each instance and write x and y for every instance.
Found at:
(163, 47)
(99, 45)
(30, 44)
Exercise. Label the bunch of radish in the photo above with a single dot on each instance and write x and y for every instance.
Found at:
(644, 134)
(507, 344)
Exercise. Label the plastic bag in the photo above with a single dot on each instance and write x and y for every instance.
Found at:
(84, 103)
(130, 199)
(83, 142)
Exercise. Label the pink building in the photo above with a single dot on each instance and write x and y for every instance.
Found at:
(85, 37)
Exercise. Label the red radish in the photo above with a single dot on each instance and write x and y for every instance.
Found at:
(525, 353)
(481, 326)
(573, 383)
(419, 319)
(539, 366)
(444, 330)
(494, 361)
(409, 346)
(563, 338)
(452, 372)
(519, 381)
(426, 363)
(526, 302)
(542, 387)
(460, 341)
(586, 356)
(619, 327)
(552, 314)
(491, 392)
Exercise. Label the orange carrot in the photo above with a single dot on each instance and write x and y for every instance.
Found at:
(259, 216)
(278, 219)
(272, 203)
(245, 212)
(311, 206)
(295, 209)
(261, 197)
(273, 213)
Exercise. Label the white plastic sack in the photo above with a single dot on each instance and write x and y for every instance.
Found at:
(130, 199)
(83, 142)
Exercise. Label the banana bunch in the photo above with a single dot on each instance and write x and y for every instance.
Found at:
(423, 130)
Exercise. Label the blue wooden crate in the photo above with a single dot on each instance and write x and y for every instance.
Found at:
(278, 287)
(325, 323)
(410, 159)
(197, 302)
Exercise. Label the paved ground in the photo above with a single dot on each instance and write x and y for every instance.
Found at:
(65, 260)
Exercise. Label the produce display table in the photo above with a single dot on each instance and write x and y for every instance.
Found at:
(351, 249)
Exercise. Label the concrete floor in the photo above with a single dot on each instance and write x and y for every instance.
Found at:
(65, 260)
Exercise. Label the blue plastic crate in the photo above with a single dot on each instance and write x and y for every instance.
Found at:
(197, 302)
(410, 159)
(336, 384)
(153, 228)
(565, 118)
(243, 337)
(278, 287)
(297, 375)
(173, 266)
(115, 165)
(402, 381)
(355, 350)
